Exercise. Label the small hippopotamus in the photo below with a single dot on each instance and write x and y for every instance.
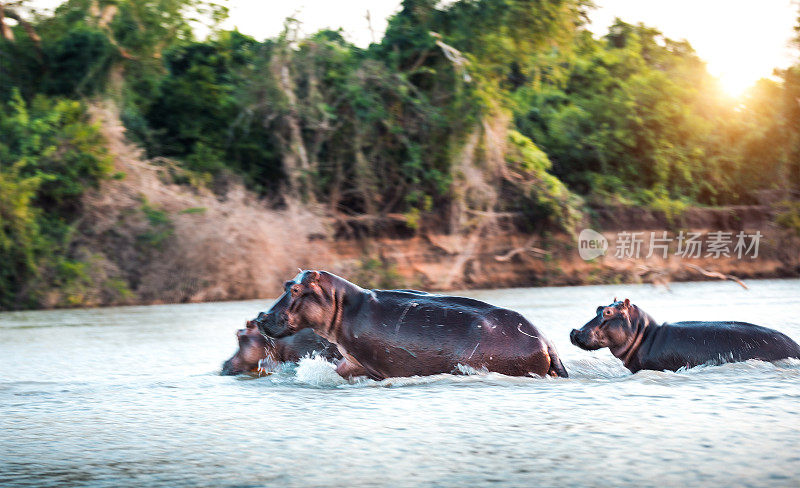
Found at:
(396, 333)
(634, 337)
(254, 348)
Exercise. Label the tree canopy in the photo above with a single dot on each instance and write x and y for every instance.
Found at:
(462, 110)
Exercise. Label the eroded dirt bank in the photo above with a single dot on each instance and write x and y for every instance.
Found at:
(514, 258)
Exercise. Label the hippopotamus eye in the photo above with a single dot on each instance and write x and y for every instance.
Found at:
(608, 312)
(295, 290)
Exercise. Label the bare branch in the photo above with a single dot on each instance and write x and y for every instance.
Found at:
(716, 274)
(528, 247)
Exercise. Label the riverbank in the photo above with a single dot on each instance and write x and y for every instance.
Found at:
(509, 257)
(157, 235)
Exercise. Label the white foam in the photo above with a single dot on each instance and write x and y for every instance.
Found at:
(317, 371)
(469, 370)
(595, 367)
(719, 366)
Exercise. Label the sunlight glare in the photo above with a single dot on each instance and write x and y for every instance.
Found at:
(736, 82)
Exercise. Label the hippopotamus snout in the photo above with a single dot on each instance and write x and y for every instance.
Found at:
(262, 321)
(273, 324)
(585, 338)
(231, 367)
(578, 338)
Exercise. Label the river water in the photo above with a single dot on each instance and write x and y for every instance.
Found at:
(130, 396)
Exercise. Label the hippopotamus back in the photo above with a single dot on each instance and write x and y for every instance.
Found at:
(414, 333)
(675, 345)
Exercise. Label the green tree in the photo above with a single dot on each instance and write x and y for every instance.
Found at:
(635, 114)
(49, 156)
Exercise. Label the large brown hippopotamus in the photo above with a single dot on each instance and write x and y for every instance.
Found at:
(254, 348)
(394, 333)
(634, 337)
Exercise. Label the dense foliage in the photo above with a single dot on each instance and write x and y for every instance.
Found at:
(461, 111)
(636, 116)
(49, 155)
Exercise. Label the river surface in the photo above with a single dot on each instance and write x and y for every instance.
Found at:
(131, 396)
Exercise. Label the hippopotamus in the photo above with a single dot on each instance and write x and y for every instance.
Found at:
(397, 333)
(254, 348)
(634, 337)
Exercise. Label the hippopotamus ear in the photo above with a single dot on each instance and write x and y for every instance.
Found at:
(627, 303)
(311, 277)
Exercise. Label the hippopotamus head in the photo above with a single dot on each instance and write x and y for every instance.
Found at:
(252, 349)
(308, 301)
(613, 326)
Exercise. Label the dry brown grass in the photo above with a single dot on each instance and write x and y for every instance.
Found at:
(226, 247)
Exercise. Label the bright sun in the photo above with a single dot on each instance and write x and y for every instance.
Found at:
(735, 83)
(739, 70)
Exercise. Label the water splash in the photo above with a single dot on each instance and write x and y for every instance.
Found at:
(595, 368)
(318, 371)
